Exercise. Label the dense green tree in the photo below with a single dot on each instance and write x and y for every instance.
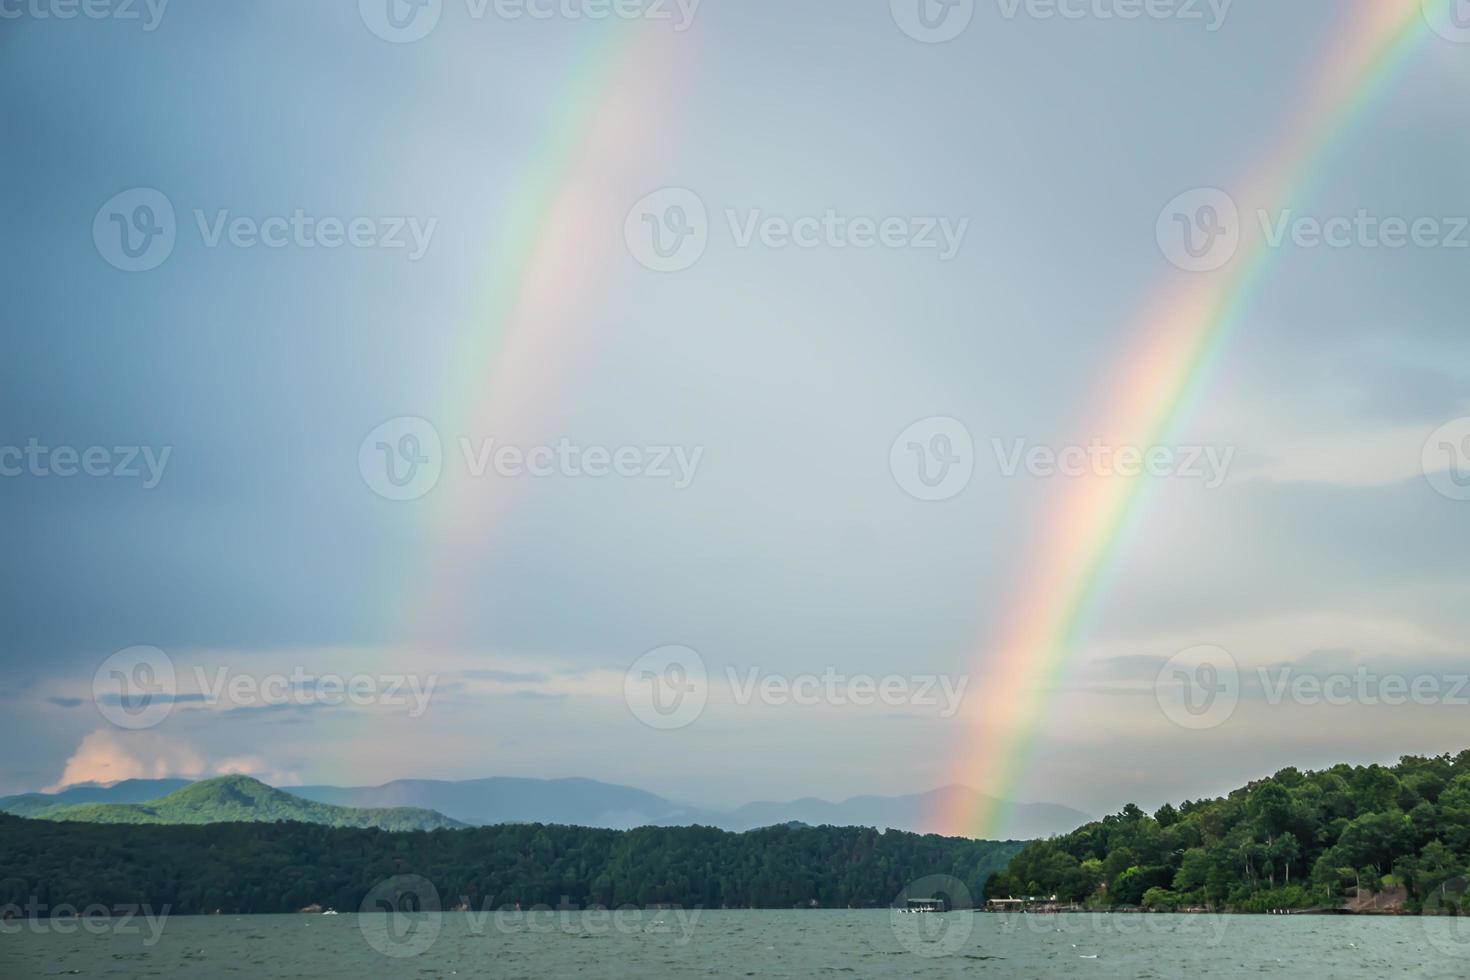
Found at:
(282, 867)
(1295, 839)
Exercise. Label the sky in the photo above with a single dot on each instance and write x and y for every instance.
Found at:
(357, 300)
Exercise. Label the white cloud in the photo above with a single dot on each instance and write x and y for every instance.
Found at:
(109, 756)
(1364, 458)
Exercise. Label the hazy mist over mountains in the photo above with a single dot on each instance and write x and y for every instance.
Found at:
(589, 803)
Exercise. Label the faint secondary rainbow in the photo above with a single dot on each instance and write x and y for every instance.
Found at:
(547, 273)
(550, 273)
(1172, 355)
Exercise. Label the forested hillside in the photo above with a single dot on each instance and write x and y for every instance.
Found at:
(1297, 839)
(233, 799)
(260, 867)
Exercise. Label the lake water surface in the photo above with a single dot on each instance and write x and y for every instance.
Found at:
(678, 944)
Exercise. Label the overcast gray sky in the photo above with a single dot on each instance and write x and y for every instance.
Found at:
(518, 150)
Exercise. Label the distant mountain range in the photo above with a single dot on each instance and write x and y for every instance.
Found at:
(499, 800)
(917, 813)
(127, 791)
(234, 799)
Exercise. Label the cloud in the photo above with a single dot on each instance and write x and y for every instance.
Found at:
(11, 693)
(507, 676)
(108, 756)
(65, 702)
(1374, 457)
(159, 696)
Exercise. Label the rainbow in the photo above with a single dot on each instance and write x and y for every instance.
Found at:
(1174, 352)
(550, 272)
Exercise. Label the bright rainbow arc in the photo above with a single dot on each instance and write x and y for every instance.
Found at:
(1178, 347)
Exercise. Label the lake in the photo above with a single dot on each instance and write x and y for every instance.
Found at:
(679, 943)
